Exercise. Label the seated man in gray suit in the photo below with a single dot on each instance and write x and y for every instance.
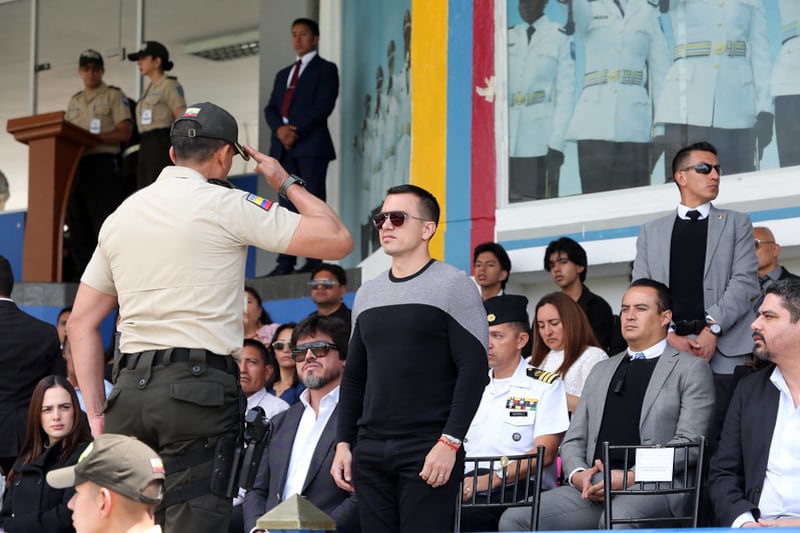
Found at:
(651, 394)
(298, 458)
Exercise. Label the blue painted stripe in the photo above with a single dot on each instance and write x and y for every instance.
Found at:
(459, 128)
(296, 309)
(633, 231)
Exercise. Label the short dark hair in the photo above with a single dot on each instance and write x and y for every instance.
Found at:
(193, 148)
(789, 292)
(679, 161)
(499, 252)
(266, 355)
(6, 277)
(312, 25)
(574, 251)
(429, 206)
(337, 271)
(335, 328)
(663, 295)
(67, 309)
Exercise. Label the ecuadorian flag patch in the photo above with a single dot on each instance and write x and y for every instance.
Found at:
(263, 203)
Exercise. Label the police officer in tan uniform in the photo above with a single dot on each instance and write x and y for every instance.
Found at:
(162, 102)
(96, 189)
(173, 255)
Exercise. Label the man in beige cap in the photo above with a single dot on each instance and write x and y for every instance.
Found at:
(118, 482)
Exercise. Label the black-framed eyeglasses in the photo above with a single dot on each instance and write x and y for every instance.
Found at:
(325, 283)
(280, 345)
(703, 168)
(318, 348)
(397, 218)
(759, 242)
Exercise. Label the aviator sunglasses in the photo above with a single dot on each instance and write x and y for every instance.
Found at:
(397, 218)
(704, 168)
(318, 348)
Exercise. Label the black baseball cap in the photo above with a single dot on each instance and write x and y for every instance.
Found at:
(151, 49)
(214, 123)
(90, 56)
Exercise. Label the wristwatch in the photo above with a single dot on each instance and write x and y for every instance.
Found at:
(289, 181)
(714, 328)
(451, 439)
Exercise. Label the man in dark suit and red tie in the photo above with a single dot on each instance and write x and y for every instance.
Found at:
(302, 98)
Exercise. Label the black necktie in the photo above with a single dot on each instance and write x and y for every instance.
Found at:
(693, 215)
(530, 31)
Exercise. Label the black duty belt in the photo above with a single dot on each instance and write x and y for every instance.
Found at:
(155, 132)
(179, 355)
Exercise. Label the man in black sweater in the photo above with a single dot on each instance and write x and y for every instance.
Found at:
(415, 373)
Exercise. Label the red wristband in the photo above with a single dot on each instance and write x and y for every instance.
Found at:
(449, 444)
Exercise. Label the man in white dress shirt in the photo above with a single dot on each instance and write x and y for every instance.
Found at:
(754, 474)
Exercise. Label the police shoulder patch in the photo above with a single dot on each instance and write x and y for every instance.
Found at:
(263, 203)
(542, 375)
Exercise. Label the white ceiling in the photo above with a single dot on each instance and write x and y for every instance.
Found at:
(67, 28)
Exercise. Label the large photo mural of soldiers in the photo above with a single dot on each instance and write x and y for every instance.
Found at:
(602, 93)
(376, 109)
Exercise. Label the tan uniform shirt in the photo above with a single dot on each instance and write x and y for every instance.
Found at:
(99, 111)
(156, 108)
(174, 255)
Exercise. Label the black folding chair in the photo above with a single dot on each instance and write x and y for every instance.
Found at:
(522, 487)
(687, 469)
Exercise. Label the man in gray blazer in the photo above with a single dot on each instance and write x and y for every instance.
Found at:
(299, 456)
(650, 394)
(707, 258)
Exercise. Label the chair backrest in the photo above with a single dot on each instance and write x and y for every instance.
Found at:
(686, 473)
(521, 487)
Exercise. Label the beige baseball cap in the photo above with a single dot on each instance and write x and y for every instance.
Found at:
(118, 462)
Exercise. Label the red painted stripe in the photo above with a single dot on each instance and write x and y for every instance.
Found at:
(484, 155)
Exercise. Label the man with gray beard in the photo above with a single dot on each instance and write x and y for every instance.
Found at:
(756, 466)
(298, 458)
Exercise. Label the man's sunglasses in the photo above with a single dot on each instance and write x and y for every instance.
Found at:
(318, 348)
(326, 283)
(397, 218)
(759, 242)
(704, 168)
(280, 345)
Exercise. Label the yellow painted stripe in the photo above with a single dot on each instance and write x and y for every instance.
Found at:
(429, 104)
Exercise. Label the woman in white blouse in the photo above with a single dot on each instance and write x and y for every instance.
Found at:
(563, 342)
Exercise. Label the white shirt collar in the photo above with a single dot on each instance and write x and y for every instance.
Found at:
(305, 59)
(4, 299)
(704, 210)
(180, 172)
(653, 351)
(332, 396)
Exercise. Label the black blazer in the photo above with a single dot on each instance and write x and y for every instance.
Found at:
(30, 505)
(319, 487)
(29, 351)
(312, 102)
(738, 468)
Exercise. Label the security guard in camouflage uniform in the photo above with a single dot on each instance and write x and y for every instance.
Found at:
(521, 408)
(173, 255)
(96, 190)
(162, 102)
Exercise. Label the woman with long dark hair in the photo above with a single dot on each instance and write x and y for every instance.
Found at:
(258, 325)
(287, 385)
(56, 435)
(563, 342)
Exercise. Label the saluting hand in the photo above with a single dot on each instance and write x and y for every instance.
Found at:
(269, 167)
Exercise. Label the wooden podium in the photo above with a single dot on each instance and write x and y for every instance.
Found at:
(55, 149)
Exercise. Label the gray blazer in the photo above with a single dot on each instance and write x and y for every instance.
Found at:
(678, 406)
(730, 277)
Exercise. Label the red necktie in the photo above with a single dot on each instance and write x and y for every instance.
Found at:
(287, 96)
